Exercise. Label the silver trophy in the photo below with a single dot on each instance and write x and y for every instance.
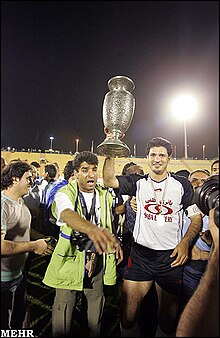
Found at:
(118, 111)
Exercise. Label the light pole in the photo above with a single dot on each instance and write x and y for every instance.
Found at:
(185, 140)
(174, 152)
(92, 147)
(134, 150)
(51, 143)
(77, 145)
(184, 107)
(203, 151)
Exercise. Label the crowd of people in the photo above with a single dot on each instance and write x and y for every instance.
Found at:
(142, 232)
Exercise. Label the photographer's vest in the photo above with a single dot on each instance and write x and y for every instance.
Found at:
(67, 265)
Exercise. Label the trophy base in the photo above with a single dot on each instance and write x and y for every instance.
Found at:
(113, 148)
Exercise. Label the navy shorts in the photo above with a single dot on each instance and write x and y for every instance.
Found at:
(146, 264)
(193, 271)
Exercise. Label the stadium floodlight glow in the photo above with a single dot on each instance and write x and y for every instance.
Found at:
(184, 107)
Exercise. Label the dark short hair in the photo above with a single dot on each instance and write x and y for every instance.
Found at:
(13, 169)
(35, 164)
(126, 166)
(56, 165)
(159, 142)
(3, 162)
(135, 169)
(207, 171)
(85, 156)
(51, 169)
(68, 170)
(214, 162)
(183, 172)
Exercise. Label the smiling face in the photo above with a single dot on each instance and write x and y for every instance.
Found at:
(158, 160)
(87, 176)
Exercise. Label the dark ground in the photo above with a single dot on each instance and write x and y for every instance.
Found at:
(40, 300)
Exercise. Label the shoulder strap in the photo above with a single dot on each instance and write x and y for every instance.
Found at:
(76, 197)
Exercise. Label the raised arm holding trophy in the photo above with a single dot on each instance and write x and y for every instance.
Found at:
(118, 111)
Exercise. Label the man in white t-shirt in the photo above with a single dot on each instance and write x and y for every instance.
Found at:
(158, 252)
(85, 256)
(16, 181)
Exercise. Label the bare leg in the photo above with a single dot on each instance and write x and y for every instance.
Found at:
(132, 295)
(168, 311)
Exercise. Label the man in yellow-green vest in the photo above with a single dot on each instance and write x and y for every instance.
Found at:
(87, 252)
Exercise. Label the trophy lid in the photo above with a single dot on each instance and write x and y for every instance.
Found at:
(121, 82)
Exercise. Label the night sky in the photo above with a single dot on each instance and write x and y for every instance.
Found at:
(58, 56)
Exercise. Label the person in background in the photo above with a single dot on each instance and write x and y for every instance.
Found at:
(68, 173)
(194, 268)
(47, 184)
(183, 172)
(3, 163)
(158, 251)
(198, 177)
(126, 217)
(126, 166)
(51, 221)
(35, 194)
(49, 175)
(58, 176)
(215, 167)
(16, 180)
(200, 317)
(37, 167)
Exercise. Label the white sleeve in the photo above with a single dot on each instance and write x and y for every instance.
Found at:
(62, 202)
(193, 210)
